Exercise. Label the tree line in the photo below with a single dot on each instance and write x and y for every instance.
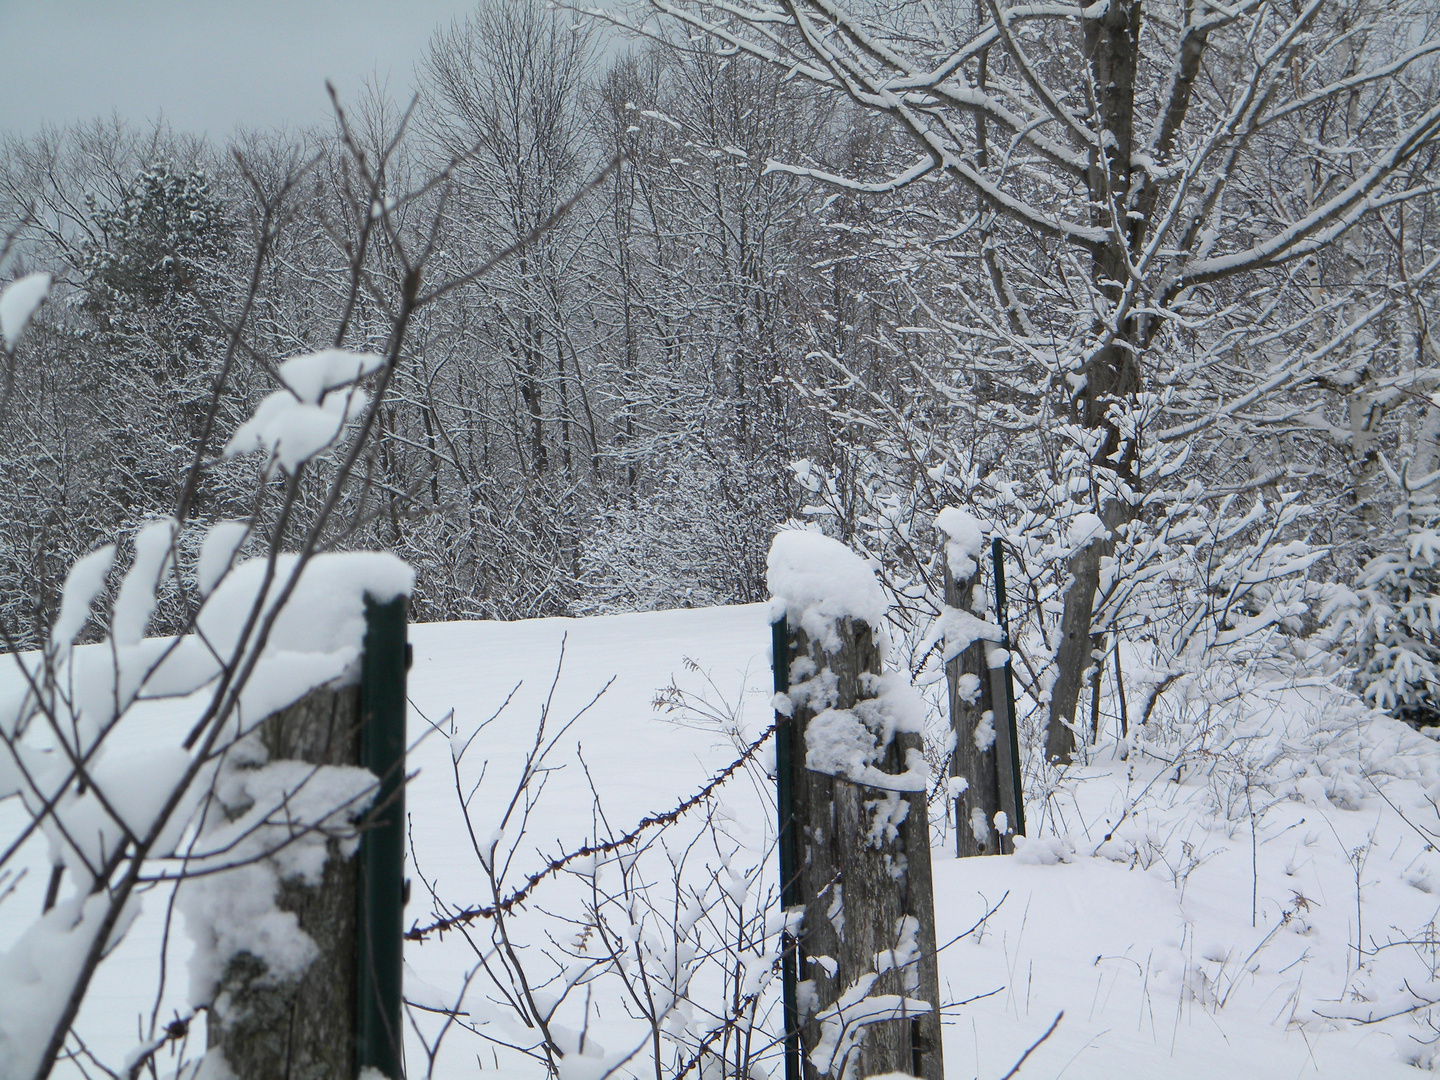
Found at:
(1150, 289)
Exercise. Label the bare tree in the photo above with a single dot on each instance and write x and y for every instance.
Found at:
(1140, 175)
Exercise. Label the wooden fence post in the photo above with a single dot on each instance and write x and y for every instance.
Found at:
(983, 768)
(861, 833)
(343, 1014)
(303, 1029)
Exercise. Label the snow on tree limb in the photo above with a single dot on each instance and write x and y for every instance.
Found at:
(18, 302)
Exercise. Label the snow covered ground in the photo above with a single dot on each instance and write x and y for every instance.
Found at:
(1283, 881)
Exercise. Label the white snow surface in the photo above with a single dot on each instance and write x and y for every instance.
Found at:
(985, 731)
(312, 376)
(816, 582)
(136, 601)
(326, 611)
(303, 650)
(18, 302)
(234, 911)
(82, 586)
(1147, 941)
(964, 541)
(292, 431)
(36, 972)
(217, 552)
(1084, 528)
(315, 639)
(958, 630)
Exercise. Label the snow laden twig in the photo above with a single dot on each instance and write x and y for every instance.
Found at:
(101, 821)
(697, 961)
(241, 655)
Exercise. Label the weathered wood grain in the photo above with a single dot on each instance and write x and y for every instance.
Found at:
(856, 886)
(302, 1029)
(978, 768)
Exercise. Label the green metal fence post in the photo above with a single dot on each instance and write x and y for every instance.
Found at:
(379, 1026)
(997, 557)
(785, 839)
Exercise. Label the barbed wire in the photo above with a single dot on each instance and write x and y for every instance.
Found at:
(469, 915)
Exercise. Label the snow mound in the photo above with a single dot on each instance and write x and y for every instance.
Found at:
(310, 414)
(816, 582)
(964, 541)
(18, 302)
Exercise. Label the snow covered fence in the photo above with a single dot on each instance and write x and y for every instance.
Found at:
(340, 1012)
(241, 816)
(855, 841)
(206, 767)
(984, 762)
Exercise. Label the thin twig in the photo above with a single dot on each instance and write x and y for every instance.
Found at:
(1035, 1045)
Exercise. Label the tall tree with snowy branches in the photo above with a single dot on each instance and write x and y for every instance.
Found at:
(1154, 188)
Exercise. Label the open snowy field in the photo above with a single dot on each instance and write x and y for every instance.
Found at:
(1232, 921)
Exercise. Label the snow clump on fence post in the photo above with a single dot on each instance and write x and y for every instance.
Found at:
(856, 823)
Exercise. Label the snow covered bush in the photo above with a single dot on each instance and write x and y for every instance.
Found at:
(1191, 574)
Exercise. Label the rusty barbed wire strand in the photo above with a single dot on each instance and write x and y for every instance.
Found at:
(469, 915)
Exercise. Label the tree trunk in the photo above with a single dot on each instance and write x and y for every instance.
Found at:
(303, 1029)
(1076, 651)
(859, 882)
(1113, 373)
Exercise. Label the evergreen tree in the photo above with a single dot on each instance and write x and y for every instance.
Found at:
(154, 256)
(1395, 613)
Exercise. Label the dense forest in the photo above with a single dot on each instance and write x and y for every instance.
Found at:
(1153, 296)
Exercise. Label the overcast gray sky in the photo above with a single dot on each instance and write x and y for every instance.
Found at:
(207, 65)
